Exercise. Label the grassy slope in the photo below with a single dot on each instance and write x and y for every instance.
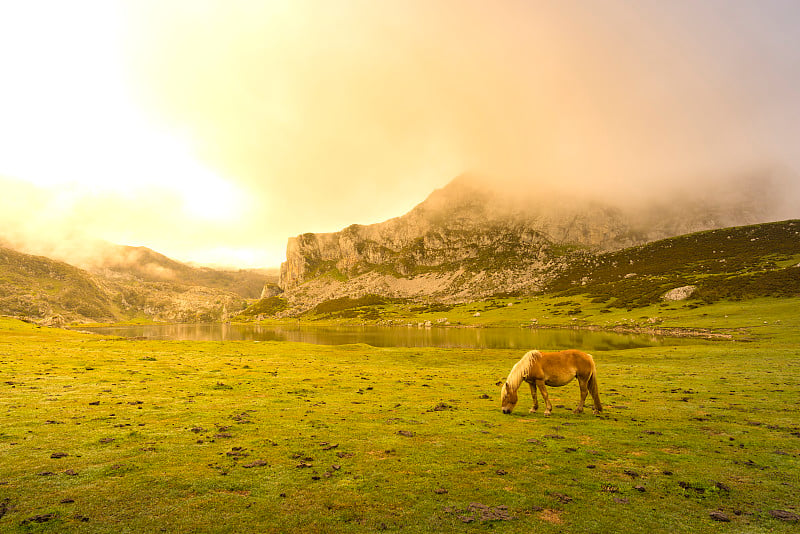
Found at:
(38, 286)
(159, 434)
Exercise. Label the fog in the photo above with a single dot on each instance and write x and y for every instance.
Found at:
(310, 116)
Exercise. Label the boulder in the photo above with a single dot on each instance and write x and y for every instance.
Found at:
(679, 293)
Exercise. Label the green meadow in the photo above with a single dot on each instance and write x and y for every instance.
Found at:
(102, 434)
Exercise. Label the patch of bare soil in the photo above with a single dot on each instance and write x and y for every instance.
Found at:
(481, 512)
(551, 516)
(43, 518)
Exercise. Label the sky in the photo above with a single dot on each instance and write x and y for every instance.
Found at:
(214, 130)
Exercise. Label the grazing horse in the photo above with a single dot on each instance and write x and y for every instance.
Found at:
(540, 369)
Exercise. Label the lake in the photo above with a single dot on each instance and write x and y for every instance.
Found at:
(377, 336)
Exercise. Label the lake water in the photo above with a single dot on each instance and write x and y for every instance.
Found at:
(495, 338)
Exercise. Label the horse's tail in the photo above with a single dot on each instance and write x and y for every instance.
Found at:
(594, 390)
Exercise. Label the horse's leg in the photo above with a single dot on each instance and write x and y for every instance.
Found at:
(583, 383)
(595, 393)
(547, 406)
(535, 398)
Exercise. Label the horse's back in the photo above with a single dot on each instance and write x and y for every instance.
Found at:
(569, 354)
(570, 358)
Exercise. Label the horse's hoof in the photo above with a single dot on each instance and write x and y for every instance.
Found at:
(547, 413)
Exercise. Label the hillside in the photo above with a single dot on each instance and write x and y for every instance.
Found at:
(733, 263)
(470, 240)
(52, 292)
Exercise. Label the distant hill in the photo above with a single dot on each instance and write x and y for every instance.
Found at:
(471, 240)
(50, 291)
(122, 283)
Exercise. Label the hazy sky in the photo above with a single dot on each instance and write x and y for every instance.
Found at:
(212, 131)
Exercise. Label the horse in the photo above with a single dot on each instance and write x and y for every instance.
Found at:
(540, 369)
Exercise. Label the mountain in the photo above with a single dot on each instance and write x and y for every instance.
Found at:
(471, 239)
(120, 283)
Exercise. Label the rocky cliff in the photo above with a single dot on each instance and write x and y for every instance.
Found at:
(469, 240)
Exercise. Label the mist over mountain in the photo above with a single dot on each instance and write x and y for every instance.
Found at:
(479, 236)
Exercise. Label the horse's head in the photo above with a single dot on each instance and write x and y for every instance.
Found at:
(508, 399)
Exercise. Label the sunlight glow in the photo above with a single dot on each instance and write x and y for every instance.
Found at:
(67, 119)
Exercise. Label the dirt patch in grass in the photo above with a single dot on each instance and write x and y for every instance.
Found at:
(551, 516)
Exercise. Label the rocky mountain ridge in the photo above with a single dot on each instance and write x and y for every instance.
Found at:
(469, 240)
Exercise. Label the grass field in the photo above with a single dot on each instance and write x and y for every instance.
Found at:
(111, 435)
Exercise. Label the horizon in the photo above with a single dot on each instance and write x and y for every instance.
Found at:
(213, 132)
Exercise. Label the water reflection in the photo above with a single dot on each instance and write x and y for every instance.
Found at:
(495, 338)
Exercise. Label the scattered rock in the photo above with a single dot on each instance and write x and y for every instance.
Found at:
(639, 488)
(621, 500)
(257, 463)
(484, 396)
(328, 447)
(67, 501)
(106, 440)
(71, 472)
(784, 515)
(304, 465)
(44, 518)
(501, 472)
(631, 473)
(720, 516)
(59, 455)
(440, 491)
(95, 403)
(406, 433)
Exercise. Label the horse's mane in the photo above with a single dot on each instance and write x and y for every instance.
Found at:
(521, 370)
